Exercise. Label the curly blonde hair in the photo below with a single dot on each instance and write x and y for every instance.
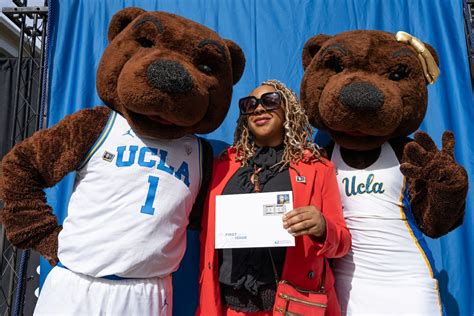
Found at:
(298, 131)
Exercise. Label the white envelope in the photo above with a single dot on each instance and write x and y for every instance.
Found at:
(253, 220)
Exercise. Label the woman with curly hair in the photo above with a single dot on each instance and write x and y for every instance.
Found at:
(272, 152)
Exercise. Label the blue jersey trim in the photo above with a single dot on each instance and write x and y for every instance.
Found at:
(100, 140)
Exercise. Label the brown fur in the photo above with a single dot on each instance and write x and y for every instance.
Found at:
(437, 184)
(40, 162)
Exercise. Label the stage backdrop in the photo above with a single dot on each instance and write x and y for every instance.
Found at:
(272, 34)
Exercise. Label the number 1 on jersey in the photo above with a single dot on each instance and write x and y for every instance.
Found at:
(150, 198)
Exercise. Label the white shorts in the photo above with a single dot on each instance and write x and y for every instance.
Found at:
(68, 293)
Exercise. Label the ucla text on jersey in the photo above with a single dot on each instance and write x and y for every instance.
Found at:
(127, 157)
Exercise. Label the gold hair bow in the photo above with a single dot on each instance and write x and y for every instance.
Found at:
(430, 68)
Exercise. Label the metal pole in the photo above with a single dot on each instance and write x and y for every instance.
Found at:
(18, 81)
(2, 245)
(11, 281)
(30, 74)
(20, 291)
(42, 76)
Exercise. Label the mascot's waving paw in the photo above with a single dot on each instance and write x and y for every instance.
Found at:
(425, 162)
(437, 178)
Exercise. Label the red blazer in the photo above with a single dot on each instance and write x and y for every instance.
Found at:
(304, 262)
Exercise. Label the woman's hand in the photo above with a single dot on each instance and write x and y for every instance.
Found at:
(306, 220)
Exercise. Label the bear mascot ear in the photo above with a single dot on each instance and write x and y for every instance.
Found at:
(121, 19)
(312, 46)
(238, 60)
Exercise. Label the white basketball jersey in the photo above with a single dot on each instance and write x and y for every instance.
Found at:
(129, 210)
(387, 270)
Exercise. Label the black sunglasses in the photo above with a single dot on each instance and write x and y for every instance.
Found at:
(270, 101)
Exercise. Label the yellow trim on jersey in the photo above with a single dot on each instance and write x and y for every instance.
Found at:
(404, 218)
(101, 139)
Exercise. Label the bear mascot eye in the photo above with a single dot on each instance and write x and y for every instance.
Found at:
(205, 68)
(209, 60)
(334, 63)
(399, 73)
(145, 42)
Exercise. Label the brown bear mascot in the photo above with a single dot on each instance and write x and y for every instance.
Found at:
(141, 174)
(367, 89)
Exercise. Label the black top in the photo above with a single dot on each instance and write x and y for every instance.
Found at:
(246, 276)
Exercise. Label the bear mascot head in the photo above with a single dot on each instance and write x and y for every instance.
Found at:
(363, 87)
(167, 75)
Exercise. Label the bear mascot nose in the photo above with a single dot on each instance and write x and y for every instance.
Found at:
(361, 96)
(169, 76)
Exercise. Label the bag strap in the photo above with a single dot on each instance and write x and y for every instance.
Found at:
(273, 266)
(323, 278)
